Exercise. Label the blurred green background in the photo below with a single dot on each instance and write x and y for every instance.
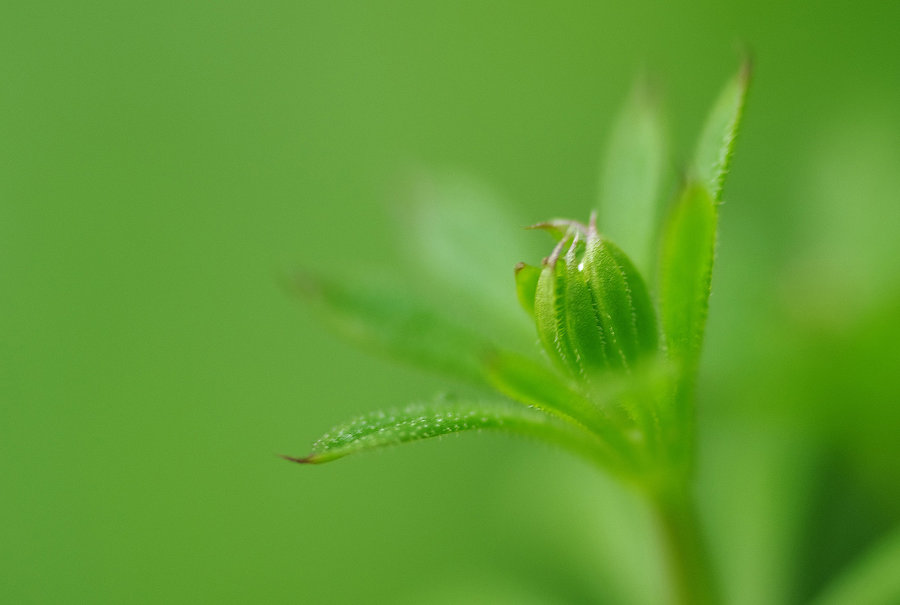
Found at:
(162, 165)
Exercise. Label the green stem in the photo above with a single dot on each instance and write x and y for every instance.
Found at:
(691, 574)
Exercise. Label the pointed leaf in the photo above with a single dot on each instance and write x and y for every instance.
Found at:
(688, 247)
(423, 421)
(631, 176)
(464, 228)
(526, 285)
(715, 147)
(389, 322)
(463, 237)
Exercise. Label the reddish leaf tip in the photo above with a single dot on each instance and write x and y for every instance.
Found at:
(311, 459)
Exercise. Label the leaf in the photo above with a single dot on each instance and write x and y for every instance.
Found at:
(465, 236)
(763, 511)
(533, 384)
(715, 147)
(386, 321)
(688, 247)
(631, 176)
(526, 285)
(424, 421)
(873, 580)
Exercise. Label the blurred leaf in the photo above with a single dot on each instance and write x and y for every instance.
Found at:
(756, 516)
(391, 322)
(631, 176)
(874, 580)
(688, 246)
(851, 198)
(715, 147)
(423, 421)
(463, 235)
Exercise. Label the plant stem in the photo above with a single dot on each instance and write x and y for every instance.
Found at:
(691, 574)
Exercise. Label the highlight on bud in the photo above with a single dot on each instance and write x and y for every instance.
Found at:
(589, 303)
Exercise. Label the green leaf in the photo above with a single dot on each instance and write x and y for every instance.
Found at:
(465, 236)
(631, 176)
(533, 384)
(688, 246)
(526, 285)
(423, 421)
(763, 511)
(715, 147)
(461, 237)
(873, 580)
(386, 321)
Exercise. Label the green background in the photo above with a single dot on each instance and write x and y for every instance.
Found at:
(164, 164)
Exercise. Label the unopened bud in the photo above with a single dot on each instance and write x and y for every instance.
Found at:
(590, 305)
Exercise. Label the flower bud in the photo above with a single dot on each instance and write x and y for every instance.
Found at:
(590, 305)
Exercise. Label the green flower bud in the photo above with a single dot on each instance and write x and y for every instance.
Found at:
(590, 305)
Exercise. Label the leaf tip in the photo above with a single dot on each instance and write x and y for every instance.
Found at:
(747, 66)
(646, 92)
(310, 459)
(303, 283)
